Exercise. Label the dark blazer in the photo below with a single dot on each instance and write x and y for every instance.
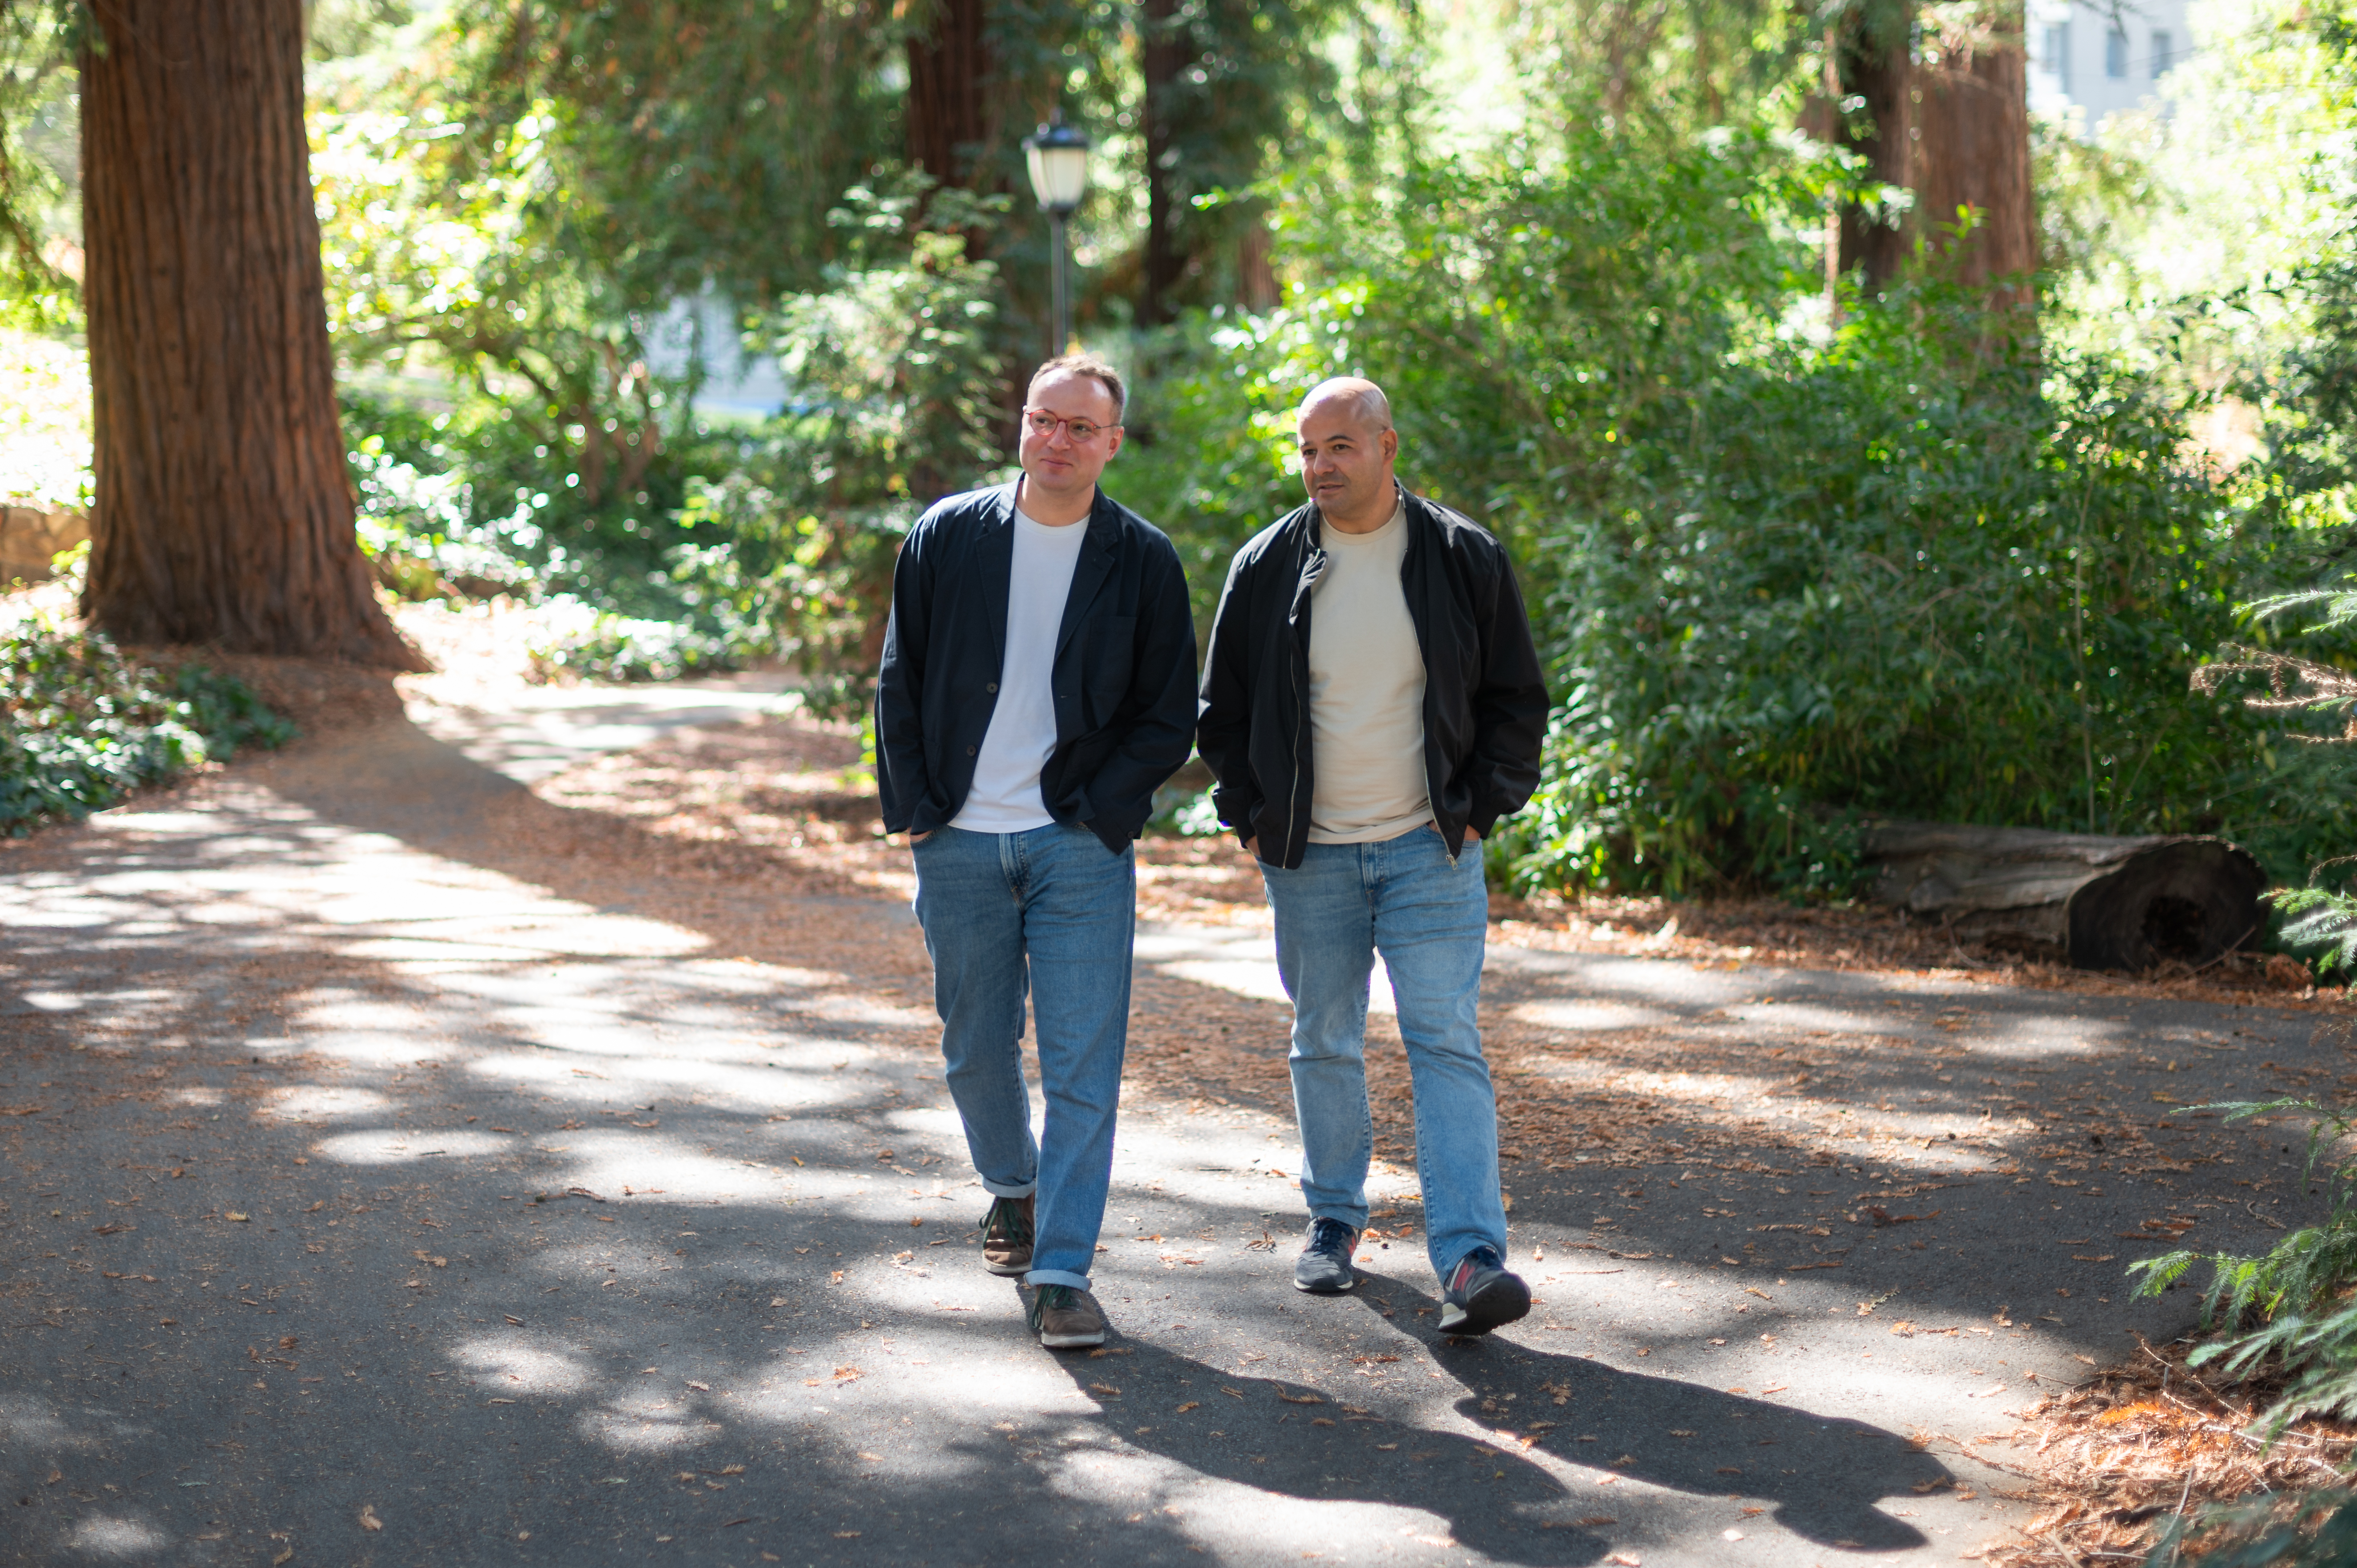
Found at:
(1123, 677)
(1485, 702)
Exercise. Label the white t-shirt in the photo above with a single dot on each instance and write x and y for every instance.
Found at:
(1022, 736)
(1366, 692)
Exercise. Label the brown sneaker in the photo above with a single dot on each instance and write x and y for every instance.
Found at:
(1007, 1236)
(1065, 1318)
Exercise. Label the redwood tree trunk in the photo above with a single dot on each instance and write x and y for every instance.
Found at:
(1878, 71)
(224, 513)
(1975, 152)
(950, 120)
(1162, 47)
(948, 115)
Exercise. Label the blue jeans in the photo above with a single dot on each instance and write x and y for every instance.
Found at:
(1429, 918)
(1049, 912)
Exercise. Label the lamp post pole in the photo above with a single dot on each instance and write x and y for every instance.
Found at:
(1058, 156)
(1059, 285)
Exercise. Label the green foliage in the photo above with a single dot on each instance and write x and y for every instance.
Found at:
(1790, 573)
(81, 724)
(558, 447)
(787, 551)
(2310, 1530)
(2290, 1306)
(1902, 574)
(643, 151)
(39, 173)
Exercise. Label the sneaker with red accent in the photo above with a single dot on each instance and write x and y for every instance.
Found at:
(1480, 1294)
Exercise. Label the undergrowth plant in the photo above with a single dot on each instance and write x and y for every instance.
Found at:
(2313, 1530)
(81, 724)
(2286, 1307)
(1791, 572)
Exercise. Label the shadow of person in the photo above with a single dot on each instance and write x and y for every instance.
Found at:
(1820, 1477)
(1300, 1441)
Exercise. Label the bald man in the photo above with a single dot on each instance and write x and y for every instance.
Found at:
(1371, 705)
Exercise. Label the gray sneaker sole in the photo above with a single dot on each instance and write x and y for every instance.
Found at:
(1505, 1300)
(1073, 1341)
(1010, 1270)
(1326, 1285)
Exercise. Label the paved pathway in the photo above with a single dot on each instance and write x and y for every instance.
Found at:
(363, 1202)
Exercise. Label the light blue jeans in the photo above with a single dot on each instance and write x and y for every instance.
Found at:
(1049, 912)
(1429, 918)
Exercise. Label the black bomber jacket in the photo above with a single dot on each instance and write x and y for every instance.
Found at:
(1485, 701)
(1123, 677)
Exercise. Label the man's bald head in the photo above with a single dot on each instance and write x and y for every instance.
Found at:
(1353, 397)
(1348, 444)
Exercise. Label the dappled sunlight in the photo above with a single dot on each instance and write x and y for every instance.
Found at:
(327, 1103)
(507, 1364)
(1577, 1016)
(625, 1200)
(29, 1422)
(115, 1536)
(394, 1147)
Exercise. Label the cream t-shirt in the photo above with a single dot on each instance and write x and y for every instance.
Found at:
(1366, 692)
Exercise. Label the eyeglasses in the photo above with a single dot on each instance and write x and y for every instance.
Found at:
(1043, 424)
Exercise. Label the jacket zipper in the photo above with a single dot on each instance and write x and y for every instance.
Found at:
(1313, 568)
(1431, 796)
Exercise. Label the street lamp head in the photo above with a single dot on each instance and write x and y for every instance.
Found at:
(1058, 158)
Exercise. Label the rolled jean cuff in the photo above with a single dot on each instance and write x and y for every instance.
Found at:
(1038, 1277)
(1010, 1189)
(1356, 1219)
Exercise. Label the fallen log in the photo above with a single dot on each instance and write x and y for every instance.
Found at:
(2102, 902)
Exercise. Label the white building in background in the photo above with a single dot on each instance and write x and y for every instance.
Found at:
(738, 385)
(2099, 59)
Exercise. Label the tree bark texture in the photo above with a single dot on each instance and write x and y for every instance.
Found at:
(1162, 50)
(1973, 109)
(1952, 127)
(1879, 72)
(224, 513)
(2107, 903)
(949, 120)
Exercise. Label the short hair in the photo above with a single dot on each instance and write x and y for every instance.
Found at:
(1372, 405)
(1087, 365)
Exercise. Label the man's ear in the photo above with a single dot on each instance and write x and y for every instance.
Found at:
(1390, 445)
(1114, 446)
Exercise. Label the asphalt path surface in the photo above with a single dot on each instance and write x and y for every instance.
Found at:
(363, 1202)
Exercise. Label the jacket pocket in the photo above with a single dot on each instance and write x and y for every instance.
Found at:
(1108, 657)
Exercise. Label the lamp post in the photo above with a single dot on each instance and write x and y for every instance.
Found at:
(1058, 155)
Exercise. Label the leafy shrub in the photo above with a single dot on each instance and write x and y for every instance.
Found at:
(1902, 574)
(81, 724)
(1791, 572)
(746, 543)
(2309, 1530)
(2322, 917)
(2286, 1309)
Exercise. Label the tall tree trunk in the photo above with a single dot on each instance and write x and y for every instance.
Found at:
(1875, 67)
(1974, 113)
(948, 119)
(1162, 48)
(223, 513)
(1953, 130)
(1257, 270)
(951, 122)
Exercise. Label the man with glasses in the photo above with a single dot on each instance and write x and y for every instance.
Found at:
(1038, 686)
(1371, 706)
